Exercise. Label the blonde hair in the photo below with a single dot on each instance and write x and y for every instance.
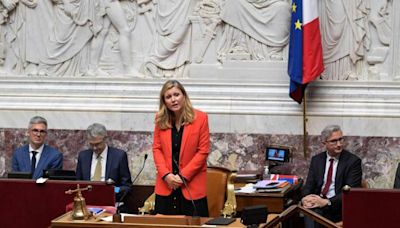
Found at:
(165, 117)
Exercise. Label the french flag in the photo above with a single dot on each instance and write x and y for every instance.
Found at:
(305, 50)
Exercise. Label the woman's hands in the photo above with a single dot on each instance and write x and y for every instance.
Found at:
(174, 181)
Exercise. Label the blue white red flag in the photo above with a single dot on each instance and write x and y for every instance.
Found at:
(305, 49)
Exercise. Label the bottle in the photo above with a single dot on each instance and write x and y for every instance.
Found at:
(266, 175)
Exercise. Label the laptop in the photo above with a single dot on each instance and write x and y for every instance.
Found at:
(19, 175)
(59, 174)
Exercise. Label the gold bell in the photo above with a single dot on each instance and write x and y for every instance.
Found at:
(79, 212)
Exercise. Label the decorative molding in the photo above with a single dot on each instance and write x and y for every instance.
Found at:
(233, 97)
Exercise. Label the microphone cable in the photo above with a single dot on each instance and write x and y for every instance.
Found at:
(127, 191)
(195, 214)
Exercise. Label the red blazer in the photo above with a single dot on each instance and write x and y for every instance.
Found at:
(192, 158)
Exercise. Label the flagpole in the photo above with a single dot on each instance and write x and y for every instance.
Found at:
(305, 133)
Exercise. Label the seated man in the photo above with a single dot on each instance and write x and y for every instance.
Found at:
(329, 172)
(103, 163)
(36, 156)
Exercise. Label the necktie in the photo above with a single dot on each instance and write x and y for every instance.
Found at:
(97, 170)
(328, 178)
(33, 162)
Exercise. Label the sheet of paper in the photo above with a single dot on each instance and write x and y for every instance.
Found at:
(107, 218)
(41, 180)
(248, 188)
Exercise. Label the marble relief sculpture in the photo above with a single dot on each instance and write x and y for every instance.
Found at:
(395, 6)
(255, 29)
(206, 17)
(171, 51)
(167, 38)
(113, 14)
(4, 8)
(68, 44)
(26, 34)
(379, 51)
(345, 37)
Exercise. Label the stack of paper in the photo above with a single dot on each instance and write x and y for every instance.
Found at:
(270, 184)
(292, 179)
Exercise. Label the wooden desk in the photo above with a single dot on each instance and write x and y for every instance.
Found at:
(275, 202)
(65, 221)
(27, 204)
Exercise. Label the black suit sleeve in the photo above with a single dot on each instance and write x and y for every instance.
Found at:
(397, 178)
(124, 172)
(311, 185)
(352, 177)
(79, 174)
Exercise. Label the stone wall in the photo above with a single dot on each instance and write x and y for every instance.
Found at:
(233, 71)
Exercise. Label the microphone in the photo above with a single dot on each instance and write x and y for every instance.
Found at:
(141, 169)
(195, 214)
(126, 192)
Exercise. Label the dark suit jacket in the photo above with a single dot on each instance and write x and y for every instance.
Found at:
(49, 159)
(117, 167)
(397, 178)
(348, 172)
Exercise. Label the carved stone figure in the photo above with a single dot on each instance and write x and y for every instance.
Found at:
(171, 51)
(345, 37)
(143, 33)
(205, 22)
(67, 49)
(26, 34)
(113, 14)
(381, 25)
(255, 29)
(5, 7)
(395, 38)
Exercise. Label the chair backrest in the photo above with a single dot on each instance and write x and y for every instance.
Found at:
(364, 184)
(217, 178)
(220, 193)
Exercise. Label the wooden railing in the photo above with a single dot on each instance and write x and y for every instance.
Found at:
(294, 211)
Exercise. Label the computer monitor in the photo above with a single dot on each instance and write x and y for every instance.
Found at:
(19, 175)
(277, 153)
(57, 174)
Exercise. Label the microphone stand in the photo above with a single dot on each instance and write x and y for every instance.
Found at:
(195, 213)
(141, 169)
(117, 216)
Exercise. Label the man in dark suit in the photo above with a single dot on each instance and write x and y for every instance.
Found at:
(36, 156)
(104, 163)
(329, 171)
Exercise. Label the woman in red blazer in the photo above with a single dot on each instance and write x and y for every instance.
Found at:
(180, 149)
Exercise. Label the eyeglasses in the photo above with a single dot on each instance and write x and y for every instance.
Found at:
(335, 141)
(38, 132)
